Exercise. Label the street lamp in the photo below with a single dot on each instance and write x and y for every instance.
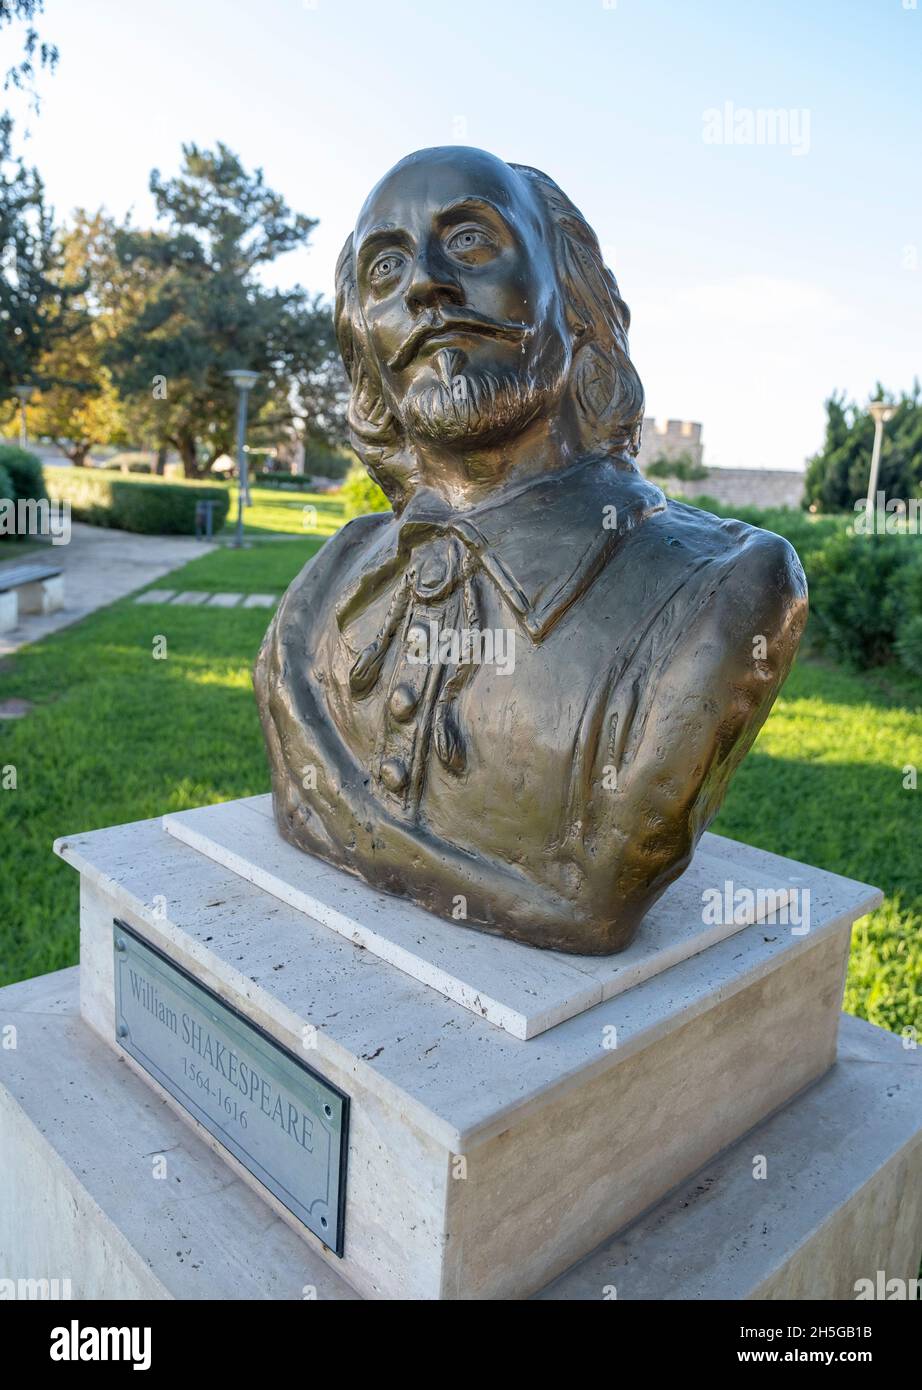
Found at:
(244, 381)
(881, 413)
(25, 394)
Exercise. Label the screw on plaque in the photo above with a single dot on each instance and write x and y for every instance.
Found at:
(121, 944)
(123, 1030)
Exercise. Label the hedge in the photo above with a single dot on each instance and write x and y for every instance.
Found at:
(128, 503)
(6, 486)
(24, 471)
(20, 480)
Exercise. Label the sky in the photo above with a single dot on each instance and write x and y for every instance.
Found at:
(752, 170)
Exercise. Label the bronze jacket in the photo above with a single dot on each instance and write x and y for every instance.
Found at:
(555, 801)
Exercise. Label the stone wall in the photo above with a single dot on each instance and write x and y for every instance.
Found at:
(744, 487)
(736, 487)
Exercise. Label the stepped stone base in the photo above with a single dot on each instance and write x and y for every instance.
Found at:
(841, 1199)
(514, 1118)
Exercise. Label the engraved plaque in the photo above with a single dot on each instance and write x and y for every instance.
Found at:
(283, 1122)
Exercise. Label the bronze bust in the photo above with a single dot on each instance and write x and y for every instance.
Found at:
(518, 698)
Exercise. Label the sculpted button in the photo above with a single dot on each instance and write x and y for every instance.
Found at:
(394, 774)
(403, 702)
(433, 573)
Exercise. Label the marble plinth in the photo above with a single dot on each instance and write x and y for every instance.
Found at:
(841, 1198)
(484, 1165)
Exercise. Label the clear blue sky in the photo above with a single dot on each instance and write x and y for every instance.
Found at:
(760, 276)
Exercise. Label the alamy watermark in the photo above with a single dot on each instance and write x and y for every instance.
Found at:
(730, 905)
(35, 516)
(466, 646)
(786, 128)
(889, 516)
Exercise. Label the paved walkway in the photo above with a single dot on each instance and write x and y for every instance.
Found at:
(199, 597)
(99, 567)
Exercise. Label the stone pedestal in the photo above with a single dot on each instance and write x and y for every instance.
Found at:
(484, 1162)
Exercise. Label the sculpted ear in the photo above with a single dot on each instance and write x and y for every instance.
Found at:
(596, 385)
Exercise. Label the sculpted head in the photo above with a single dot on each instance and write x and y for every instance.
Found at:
(471, 303)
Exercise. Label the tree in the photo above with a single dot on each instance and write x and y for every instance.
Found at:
(200, 308)
(22, 74)
(683, 466)
(34, 301)
(839, 474)
(77, 405)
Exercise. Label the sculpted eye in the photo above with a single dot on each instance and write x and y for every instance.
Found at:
(469, 241)
(385, 267)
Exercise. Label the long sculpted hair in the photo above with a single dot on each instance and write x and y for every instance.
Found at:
(606, 390)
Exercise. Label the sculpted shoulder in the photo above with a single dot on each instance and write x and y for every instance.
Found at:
(750, 613)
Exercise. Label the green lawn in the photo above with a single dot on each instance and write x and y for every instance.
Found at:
(117, 735)
(274, 511)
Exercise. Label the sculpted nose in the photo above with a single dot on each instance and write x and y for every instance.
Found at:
(432, 283)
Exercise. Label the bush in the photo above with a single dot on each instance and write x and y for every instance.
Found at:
(907, 603)
(130, 461)
(135, 504)
(328, 463)
(25, 473)
(856, 595)
(294, 482)
(20, 481)
(361, 494)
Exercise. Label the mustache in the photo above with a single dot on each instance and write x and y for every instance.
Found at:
(470, 321)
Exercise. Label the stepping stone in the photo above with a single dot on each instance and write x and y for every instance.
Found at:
(191, 596)
(14, 708)
(260, 601)
(156, 596)
(224, 600)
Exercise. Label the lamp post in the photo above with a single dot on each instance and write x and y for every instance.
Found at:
(881, 413)
(25, 394)
(244, 381)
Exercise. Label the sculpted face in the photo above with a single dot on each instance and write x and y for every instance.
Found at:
(460, 297)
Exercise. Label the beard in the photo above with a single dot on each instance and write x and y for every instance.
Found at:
(474, 408)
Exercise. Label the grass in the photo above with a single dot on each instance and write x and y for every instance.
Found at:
(274, 512)
(116, 735)
(827, 783)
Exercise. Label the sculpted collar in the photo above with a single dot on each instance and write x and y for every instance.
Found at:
(541, 545)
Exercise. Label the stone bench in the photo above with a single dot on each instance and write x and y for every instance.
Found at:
(29, 588)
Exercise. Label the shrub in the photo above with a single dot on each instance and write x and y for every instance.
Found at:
(24, 471)
(361, 494)
(323, 462)
(294, 482)
(6, 486)
(856, 585)
(907, 602)
(135, 504)
(130, 461)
